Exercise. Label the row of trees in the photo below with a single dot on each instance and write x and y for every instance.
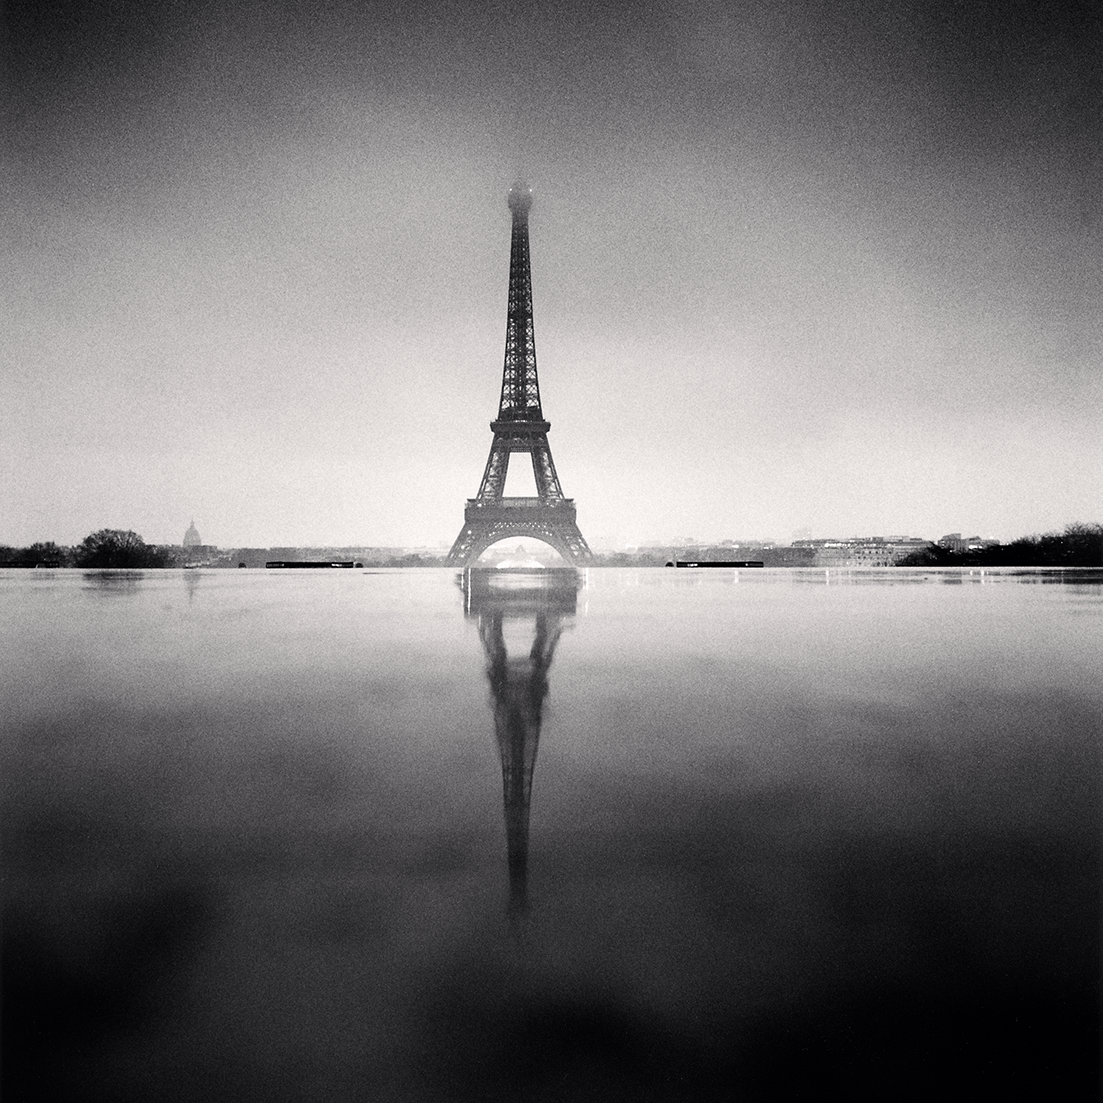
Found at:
(125, 548)
(105, 548)
(1079, 545)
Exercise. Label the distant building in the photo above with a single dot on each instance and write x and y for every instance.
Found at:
(862, 551)
(192, 538)
(955, 542)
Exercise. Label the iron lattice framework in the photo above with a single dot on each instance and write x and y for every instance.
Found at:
(519, 427)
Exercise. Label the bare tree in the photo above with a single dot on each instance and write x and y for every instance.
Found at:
(116, 548)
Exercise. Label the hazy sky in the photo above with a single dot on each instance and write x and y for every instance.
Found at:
(796, 264)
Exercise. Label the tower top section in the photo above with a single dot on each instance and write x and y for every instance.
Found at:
(520, 198)
(520, 390)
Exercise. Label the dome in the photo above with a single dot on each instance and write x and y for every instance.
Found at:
(192, 539)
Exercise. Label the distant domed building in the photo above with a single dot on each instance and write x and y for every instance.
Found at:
(191, 537)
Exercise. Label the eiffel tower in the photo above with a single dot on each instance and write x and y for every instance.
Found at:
(518, 686)
(519, 427)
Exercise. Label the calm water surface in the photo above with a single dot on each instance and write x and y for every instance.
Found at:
(639, 835)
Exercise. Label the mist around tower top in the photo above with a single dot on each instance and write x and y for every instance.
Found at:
(520, 198)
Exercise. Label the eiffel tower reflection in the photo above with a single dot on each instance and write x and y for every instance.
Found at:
(540, 601)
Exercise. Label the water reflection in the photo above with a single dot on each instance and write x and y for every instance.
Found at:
(113, 581)
(525, 606)
(191, 584)
(795, 848)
